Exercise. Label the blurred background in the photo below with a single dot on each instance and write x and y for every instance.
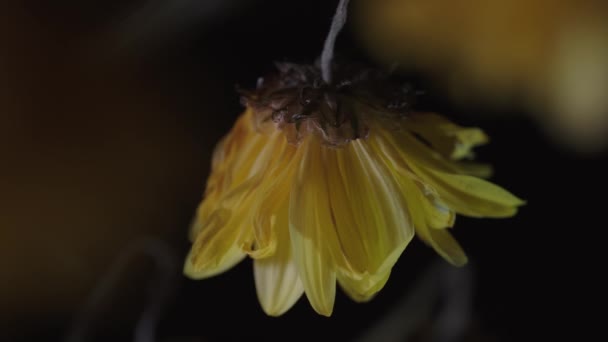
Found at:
(109, 111)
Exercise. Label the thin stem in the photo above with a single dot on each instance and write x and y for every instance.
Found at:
(327, 54)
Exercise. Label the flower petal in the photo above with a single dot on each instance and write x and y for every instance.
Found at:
(222, 230)
(271, 198)
(451, 140)
(438, 215)
(311, 227)
(465, 194)
(277, 283)
(419, 206)
(370, 214)
(446, 246)
(472, 196)
(428, 205)
(433, 159)
(214, 250)
(237, 158)
(364, 288)
(440, 239)
(221, 237)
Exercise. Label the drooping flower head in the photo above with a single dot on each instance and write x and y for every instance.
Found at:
(322, 183)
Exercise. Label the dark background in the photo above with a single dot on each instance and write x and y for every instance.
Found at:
(110, 111)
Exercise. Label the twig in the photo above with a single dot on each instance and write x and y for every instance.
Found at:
(327, 54)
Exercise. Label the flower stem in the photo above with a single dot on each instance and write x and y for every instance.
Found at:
(327, 54)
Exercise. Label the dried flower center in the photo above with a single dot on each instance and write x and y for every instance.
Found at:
(297, 101)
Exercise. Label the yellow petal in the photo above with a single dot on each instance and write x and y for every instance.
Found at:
(277, 282)
(472, 196)
(446, 246)
(428, 205)
(271, 197)
(431, 158)
(369, 212)
(440, 239)
(241, 163)
(362, 289)
(310, 227)
(480, 170)
(438, 215)
(450, 140)
(466, 195)
(214, 250)
(218, 241)
(420, 208)
(237, 164)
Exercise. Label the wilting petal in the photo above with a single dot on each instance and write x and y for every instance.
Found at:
(471, 196)
(440, 239)
(450, 140)
(438, 215)
(217, 243)
(420, 207)
(236, 160)
(277, 281)
(363, 288)
(474, 169)
(446, 246)
(222, 230)
(272, 197)
(370, 214)
(311, 227)
(423, 155)
(214, 250)
(465, 194)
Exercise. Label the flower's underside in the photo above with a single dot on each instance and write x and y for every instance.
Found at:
(333, 188)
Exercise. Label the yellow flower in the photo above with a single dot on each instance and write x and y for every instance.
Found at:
(321, 183)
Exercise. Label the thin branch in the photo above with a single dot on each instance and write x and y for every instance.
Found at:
(328, 48)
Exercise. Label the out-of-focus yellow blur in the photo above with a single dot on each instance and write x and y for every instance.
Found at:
(550, 55)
